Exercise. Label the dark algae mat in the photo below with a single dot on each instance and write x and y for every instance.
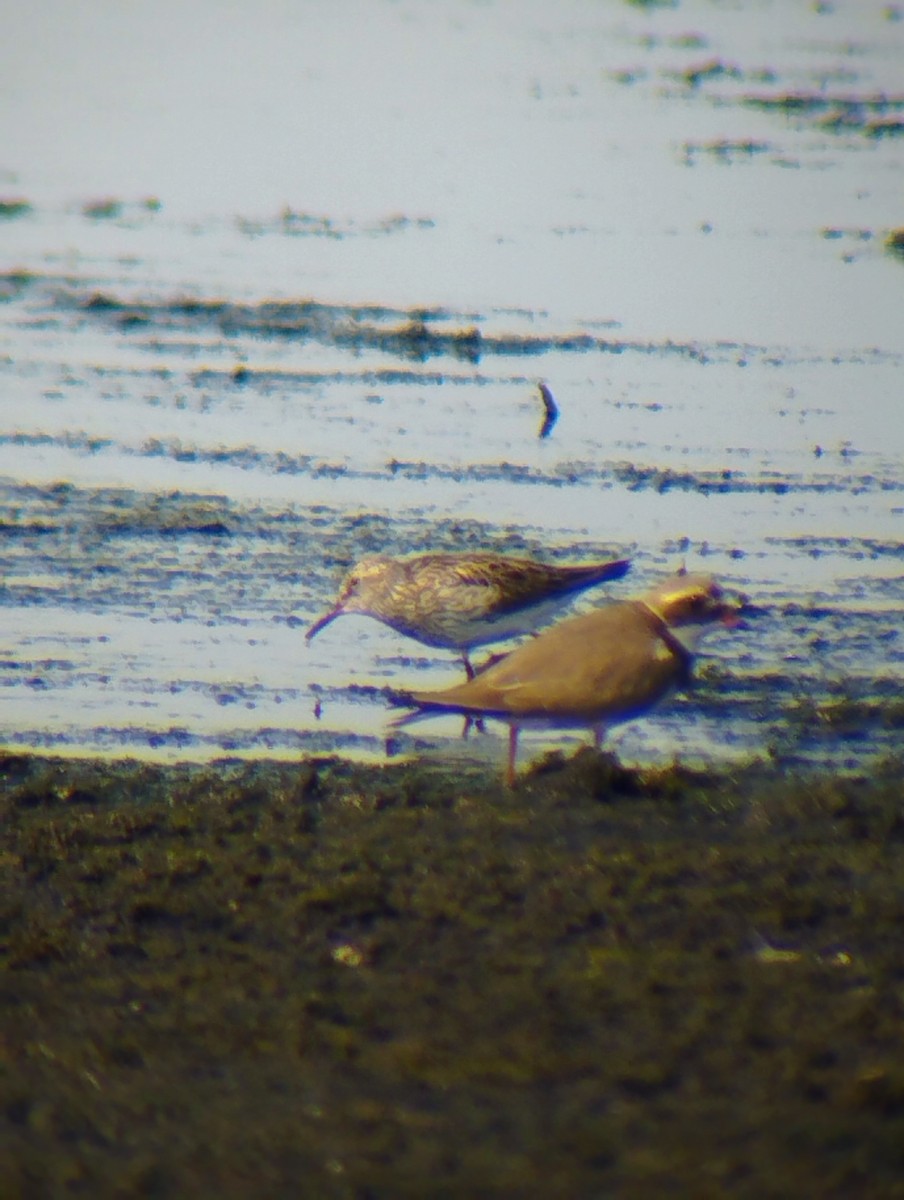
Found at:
(323, 979)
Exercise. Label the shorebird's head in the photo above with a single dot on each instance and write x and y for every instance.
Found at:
(690, 605)
(361, 591)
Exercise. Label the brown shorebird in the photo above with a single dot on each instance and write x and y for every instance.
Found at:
(595, 670)
(459, 601)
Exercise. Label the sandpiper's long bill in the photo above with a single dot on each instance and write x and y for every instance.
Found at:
(459, 601)
(594, 670)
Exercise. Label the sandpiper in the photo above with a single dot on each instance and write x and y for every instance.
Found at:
(459, 601)
(594, 670)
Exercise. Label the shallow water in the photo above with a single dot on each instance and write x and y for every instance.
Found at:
(287, 301)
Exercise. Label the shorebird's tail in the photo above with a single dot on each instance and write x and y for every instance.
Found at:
(423, 707)
(405, 700)
(577, 578)
(617, 569)
(410, 718)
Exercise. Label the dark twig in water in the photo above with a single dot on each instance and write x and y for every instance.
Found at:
(552, 410)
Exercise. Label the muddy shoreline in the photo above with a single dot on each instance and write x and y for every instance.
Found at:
(340, 980)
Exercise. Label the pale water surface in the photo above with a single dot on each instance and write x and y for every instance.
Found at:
(279, 282)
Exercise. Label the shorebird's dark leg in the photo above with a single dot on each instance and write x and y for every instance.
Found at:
(472, 723)
(477, 722)
(512, 755)
(599, 732)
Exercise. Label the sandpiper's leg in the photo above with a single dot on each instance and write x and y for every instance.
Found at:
(472, 722)
(599, 732)
(477, 722)
(512, 755)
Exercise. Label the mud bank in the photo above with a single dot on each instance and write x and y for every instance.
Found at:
(332, 980)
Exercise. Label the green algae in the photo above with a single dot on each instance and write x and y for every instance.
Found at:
(11, 208)
(107, 209)
(329, 979)
(894, 242)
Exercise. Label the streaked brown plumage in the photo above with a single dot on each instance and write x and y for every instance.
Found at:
(594, 670)
(459, 601)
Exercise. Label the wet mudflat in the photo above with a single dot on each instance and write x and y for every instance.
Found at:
(252, 978)
(278, 292)
(222, 387)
